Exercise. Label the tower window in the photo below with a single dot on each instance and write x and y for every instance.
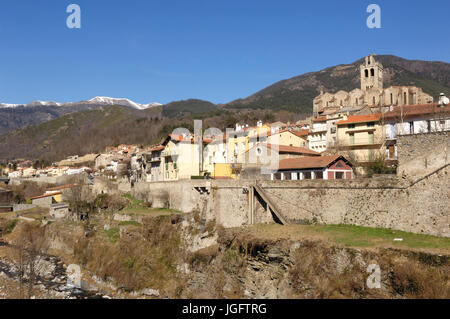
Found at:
(367, 73)
(373, 99)
(372, 72)
(404, 97)
(392, 99)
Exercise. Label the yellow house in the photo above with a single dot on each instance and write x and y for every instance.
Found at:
(237, 144)
(289, 138)
(258, 134)
(180, 157)
(361, 136)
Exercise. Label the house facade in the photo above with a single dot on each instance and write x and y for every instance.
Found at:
(309, 168)
(317, 137)
(413, 119)
(361, 137)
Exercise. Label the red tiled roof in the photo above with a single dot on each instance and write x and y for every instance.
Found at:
(62, 187)
(320, 119)
(157, 148)
(301, 133)
(291, 149)
(415, 110)
(361, 119)
(46, 195)
(308, 162)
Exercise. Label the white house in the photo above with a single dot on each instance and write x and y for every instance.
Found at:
(317, 137)
(322, 167)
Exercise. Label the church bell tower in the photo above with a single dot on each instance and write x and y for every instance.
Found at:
(371, 74)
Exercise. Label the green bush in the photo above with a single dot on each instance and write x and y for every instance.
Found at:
(379, 167)
(10, 227)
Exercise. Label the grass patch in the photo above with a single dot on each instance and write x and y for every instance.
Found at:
(130, 223)
(352, 236)
(113, 234)
(133, 201)
(149, 211)
(366, 237)
(10, 227)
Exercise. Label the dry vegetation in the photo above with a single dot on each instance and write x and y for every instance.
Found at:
(134, 256)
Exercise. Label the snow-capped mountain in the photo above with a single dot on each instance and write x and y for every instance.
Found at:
(122, 102)
(99, 100)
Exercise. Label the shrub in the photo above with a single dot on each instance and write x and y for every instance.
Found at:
(10, 227)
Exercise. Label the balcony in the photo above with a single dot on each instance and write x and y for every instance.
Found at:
(318, 129)
(359, 143)
(169, 152)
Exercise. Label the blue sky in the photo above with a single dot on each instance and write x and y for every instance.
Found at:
(215, 50)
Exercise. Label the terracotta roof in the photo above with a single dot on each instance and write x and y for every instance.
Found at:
(361, 119)
(309, 162)
(46, 195)
(291, 149)
(188, 138)
(157, 148)
(415, 110)
(320, 119)
(61, 187)
(301, 133)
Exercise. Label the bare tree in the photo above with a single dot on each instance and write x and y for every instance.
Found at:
(30, 247)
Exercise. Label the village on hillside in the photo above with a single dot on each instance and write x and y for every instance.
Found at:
(358, 129)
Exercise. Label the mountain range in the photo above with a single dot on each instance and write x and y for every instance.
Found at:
(296, 94)
(96, 101)
(16, 116)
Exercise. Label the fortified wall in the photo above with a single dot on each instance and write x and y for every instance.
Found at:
(418, 204)
(420, 154)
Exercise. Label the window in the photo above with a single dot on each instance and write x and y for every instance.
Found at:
(373, 101)
(371, 124)
(371, 139)
(404, 98)
(352, 138)
(392, 99)
(351, 126)
(307, 175)
(372, 72)
(319, 175)
(367, 73)
(277, 176)
(339, 175)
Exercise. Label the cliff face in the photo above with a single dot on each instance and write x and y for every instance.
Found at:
(185, 257)
(247, 267)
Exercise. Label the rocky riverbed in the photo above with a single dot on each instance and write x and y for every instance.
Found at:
(50, 282)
